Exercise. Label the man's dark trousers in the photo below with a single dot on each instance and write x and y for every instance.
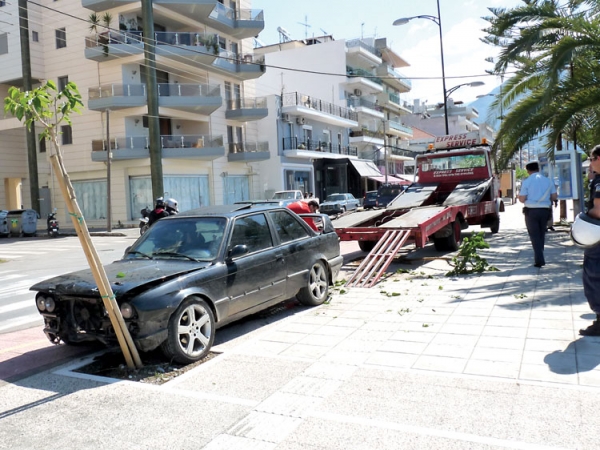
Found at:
(536, 220)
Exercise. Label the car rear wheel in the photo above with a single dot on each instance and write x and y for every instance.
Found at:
(317, 289)
(191, 332)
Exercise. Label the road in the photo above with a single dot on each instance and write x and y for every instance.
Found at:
(25, 261)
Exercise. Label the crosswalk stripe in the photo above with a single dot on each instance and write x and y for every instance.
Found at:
(16, 306)
(26, 320)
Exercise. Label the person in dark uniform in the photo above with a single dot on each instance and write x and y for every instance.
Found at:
(158, 212)
(591, 256)
(537, 193)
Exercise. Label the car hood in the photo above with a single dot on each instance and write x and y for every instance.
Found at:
(123, 275)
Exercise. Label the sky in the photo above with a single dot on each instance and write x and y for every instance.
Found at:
(417, 42)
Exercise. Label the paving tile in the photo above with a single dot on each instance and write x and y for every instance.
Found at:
(428, 318)
(538, 372)
(544, 333)
(293, 327)
(454, 339)
(266, 427)
(549, 345)
(321, 340)
(353, 314)
(453, 328)
(403, 347)
(391, 359)
(453, 351)
(440, 363)
(313, 319)
(512, 322)
(466, 320)
(549, 315)
(305, 351)
(504, 332)
(589, 378)
(565, 324)
(340, 322)
(501, 342)
(238, 443)
(501, 369)
(587, 345)
(311, 386)
(588, 362)
(284, 336)
(330, 371)
(557, 361)
(264, 348)
(328, 330)
(344, 357)
(380, 326)
(357, 345)
(497, 354)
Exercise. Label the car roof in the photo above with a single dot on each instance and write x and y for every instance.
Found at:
(228, 210)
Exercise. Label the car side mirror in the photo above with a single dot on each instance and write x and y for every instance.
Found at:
(237, 250)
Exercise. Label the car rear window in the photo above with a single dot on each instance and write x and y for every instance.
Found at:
(390, 191)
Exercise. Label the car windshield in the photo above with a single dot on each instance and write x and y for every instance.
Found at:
(197, 239)
(335, 198)
(283, 195)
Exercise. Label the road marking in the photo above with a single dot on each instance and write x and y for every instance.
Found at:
(27, 320)
(12, 277)
(15, 306)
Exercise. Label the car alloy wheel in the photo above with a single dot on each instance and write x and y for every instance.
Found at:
(191, 332)
(317, 289)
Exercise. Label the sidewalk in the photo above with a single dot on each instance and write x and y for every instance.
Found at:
(420, 361)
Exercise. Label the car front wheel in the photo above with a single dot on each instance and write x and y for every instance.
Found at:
(191, 332)
(315, 293)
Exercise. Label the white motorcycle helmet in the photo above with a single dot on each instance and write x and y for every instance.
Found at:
(172, 204)
(585, 231)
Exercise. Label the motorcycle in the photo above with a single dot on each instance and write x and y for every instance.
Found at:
(144, 219)
(52, 225)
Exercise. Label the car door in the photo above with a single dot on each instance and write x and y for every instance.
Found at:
(352, 201)
(298, 247)
(259, 275)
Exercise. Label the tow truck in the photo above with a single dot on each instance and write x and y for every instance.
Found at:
(456, 188)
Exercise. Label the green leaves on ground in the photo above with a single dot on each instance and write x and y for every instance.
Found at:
(467, 260)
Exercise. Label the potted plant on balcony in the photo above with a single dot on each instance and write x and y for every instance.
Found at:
(301, 146)
(104, 38)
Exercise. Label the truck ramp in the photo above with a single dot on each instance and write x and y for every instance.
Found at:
(414, 217)
(356, 218)
(379, 259)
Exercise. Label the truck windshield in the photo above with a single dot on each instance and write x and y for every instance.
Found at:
(453, 162)
(283, 195)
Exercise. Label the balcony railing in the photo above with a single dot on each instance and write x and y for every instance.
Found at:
(391, 72)
(361, 44)
(241, 58)
(222, 11)
(400, 127)
(356, 72)
(357, 102)
(247, 103)
(137, 142)
(367, 133)
(207, 40)
(292, 143)
(394, 98)
(188, 90)
(402, 152)
(298, 99)
(248, 147)
(117, 90)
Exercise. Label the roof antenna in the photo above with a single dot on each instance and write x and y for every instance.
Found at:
(306, 26)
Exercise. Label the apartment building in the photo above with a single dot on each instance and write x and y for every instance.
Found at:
(461, 117)
(205, 70)
(335, 106)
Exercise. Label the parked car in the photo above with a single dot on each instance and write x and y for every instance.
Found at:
(338, 203)
(388, 192)
(370, 200)
(193, 273)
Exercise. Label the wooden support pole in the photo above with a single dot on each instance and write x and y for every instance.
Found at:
(123, 336)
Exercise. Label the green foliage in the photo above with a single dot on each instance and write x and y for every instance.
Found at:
(521, 173)
(467, 260)
(44, 104)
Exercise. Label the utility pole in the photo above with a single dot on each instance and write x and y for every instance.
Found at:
(108, 174)
(156, 172)
(34, 186)
(385, 151)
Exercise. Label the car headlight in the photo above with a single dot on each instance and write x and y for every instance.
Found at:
(41, 303)
(50, 304)
(126, 311)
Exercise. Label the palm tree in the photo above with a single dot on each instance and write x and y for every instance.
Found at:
(555, 50)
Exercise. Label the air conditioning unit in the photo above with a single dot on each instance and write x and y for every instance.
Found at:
(300, 120)
(357, 92)
(285, 117)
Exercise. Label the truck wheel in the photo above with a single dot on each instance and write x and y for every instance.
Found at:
(495, 225)
(367, 246)
(451, 242)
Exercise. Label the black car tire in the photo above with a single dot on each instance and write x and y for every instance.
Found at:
(317, 288)
(367, 246)
(143, 229)
(193, 323)
(451, 242)
(495, 228)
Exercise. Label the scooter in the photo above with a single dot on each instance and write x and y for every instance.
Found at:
(144, 219)
(52, 225)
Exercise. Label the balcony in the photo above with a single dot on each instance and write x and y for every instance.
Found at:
(393, 78)
(111, 45)
(393, 101)
(247, 109)
(398, 129)
(186, 47)
(103, 5)
(309, 107)
(365, 136)
(361, 80)
(240, 24)
(293, 147)
(196, 98)
(242, 67)
(360, 52)
(116, 96)
(363, 106)
(202, 147)
(248, 151)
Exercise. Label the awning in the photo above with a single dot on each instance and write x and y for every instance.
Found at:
(391, 180)
(366, 168)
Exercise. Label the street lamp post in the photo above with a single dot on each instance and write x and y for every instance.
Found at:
(438, 21)
(471, 84)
